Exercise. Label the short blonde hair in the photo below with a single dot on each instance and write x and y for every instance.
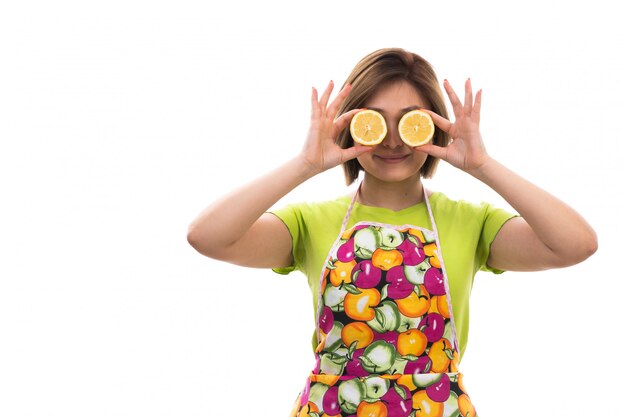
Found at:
(378, 69)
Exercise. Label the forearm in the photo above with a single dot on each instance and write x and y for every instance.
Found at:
(234, 228)
(226, 220)
(559, 227)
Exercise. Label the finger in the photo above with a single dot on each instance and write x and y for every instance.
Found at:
(343, 121)
(457, 107)
(477, 103)
(433, 150)
(354, 152)
(334, 105)
(326, 95)
(440, 121)
(314, 103)
(469, 98)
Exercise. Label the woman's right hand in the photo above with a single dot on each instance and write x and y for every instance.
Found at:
(237, 227)
(320, 151)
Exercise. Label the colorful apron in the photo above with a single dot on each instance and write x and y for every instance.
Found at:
(387, 340)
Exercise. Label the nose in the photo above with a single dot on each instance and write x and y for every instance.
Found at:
(392, 139)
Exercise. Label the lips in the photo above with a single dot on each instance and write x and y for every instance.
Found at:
(392, 159)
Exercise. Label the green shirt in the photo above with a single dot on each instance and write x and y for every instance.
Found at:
(466, 231)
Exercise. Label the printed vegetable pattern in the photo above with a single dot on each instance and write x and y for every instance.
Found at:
(386, 341)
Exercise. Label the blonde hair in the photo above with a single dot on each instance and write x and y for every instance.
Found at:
(378, 69)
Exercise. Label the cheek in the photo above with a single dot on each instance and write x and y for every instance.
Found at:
(363, 159)
(420, 156)
(368, 161)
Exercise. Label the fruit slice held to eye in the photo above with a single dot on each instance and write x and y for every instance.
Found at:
(368, 127)
(416, 128)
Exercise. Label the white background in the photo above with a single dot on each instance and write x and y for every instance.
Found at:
(121, 120)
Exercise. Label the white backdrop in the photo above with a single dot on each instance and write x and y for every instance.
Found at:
(121, 120)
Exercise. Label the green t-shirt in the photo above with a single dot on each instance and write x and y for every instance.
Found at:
(466, 231)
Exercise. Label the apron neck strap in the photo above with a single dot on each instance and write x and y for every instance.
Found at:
(350, 207)
(356, 194)
(430, 213)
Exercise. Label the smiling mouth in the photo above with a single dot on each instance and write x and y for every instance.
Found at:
(391, 159)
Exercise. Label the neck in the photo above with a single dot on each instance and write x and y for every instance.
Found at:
(391, 195)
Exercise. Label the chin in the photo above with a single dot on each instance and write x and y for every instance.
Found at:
(392, 172)
(395, 177)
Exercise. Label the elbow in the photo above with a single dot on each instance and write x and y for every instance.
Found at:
(590, 247)
(193, 238)
(586, 247)
(205, 244)
(198, 241)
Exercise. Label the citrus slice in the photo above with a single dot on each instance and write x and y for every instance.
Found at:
(368, 127)
(416, 128)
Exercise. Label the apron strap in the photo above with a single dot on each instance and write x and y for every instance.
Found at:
(356, 194)
(443, 270)
(443, 265)
(430, 213)
(347, 216)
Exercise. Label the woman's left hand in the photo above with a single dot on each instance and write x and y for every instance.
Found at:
(548, 233)
(466, 150)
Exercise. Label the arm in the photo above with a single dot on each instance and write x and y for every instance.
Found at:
(549, 233)
(237, 228)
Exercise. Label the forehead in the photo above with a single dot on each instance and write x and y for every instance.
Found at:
(395, 96)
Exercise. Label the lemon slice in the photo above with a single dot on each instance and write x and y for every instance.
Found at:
(416, 128)
(368, 127)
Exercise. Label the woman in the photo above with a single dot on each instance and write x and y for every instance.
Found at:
(391, 266)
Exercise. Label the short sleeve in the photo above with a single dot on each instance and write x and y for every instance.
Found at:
(291, 216)
(494, 219)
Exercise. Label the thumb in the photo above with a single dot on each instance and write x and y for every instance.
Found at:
(354, 152)
(434, 150)
(344, 120)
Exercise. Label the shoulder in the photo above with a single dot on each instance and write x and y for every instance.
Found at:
(468, 214)
(312, 225)
(440, 202)
(313, 209)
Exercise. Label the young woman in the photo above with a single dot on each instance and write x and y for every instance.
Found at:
(391, 266)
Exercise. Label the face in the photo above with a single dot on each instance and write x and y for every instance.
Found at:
(392, 160)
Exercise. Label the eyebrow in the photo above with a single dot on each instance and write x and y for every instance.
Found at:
(404, 110)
